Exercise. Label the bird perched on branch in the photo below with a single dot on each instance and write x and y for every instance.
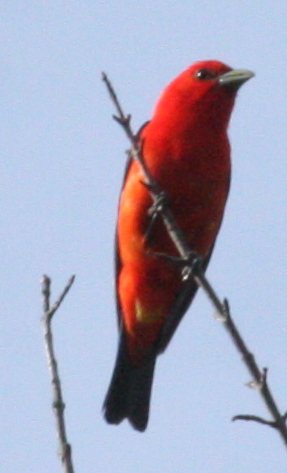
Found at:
(186, 149)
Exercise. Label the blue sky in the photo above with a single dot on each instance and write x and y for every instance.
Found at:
(61, 170)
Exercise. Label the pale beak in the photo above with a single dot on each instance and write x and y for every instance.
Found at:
(235, 78)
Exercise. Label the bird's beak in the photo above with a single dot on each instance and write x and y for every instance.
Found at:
(235, 78)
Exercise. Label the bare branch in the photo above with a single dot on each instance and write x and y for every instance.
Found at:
(192, 268)
(65, 451)
(255, 419)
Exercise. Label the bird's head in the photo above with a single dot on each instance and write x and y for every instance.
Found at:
(207, 89)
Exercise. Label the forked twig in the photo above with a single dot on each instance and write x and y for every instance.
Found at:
(65, 451)
(191, 269)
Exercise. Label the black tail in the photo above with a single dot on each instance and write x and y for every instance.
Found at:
(130, 390)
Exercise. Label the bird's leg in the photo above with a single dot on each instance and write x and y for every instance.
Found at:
(160, 202)
(189, 266)
(175, 260)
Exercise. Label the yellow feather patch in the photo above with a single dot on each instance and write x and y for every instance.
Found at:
(146, 315)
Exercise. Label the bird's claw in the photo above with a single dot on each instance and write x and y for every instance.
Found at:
(159, 204)
(192, 266)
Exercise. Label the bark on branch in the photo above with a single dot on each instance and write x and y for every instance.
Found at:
(65, 450)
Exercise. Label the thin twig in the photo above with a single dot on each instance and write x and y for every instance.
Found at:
(156, 193)
(254, 419)
(65, 450)
(192, 269)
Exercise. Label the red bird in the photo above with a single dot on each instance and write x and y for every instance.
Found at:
(186, 149)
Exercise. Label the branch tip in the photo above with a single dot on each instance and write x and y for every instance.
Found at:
(253, 418)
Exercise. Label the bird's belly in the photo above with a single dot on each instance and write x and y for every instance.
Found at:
(149, 281)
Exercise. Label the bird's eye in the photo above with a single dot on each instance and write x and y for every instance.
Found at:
(204, 74)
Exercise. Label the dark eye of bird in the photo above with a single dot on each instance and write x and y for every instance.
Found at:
(204, 74)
